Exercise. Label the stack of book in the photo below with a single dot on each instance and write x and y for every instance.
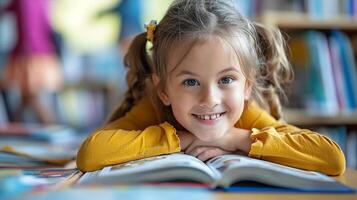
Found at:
(35, 157)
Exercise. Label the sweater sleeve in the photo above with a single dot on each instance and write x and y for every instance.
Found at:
(288, 145)
(136, 135)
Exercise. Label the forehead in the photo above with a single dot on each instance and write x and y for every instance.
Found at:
(208, 51)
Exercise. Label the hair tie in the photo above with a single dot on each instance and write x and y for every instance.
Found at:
(150, 29)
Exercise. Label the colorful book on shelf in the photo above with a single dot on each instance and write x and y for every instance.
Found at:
(323, 99)
(337, 68)
(322, 10)
(316, 96)
(325, 66)
(315, 9)
(222, 173)
(348, 68)
(326, 71)
(3, 112)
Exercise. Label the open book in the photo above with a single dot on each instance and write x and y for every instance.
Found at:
(222, 171)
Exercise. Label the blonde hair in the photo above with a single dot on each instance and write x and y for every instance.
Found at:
(260, 50)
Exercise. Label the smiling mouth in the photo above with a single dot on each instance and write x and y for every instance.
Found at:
(209, 116)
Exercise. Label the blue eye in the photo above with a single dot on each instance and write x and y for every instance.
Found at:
(226, 80)
(190, 82)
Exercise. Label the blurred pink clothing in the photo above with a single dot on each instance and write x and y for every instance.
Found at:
(34, 53)
(34, 30)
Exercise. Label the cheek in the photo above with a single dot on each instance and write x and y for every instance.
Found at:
(235, 102)
(181, 106)
(235, 99)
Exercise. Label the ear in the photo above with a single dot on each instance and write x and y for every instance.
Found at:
(159, 89)
(247, 90)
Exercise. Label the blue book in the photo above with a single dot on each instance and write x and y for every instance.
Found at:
(326, 73)
(316, 92)
(315, 9)
(3, 113)
(348, 68)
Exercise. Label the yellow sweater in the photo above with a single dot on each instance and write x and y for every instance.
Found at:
(140, 134)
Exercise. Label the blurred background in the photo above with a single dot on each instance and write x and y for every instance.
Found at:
(61, 60)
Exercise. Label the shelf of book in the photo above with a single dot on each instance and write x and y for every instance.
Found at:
(323, 96)
(323, 57)
(304, 118)
(291, 20)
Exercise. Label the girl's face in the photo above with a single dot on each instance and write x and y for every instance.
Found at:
(207, 89)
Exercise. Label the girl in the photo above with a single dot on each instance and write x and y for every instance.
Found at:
(200, 89)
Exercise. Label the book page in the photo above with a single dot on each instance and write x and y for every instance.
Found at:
(172, 167)
(236, 168)
(230, 162)
(157, 162)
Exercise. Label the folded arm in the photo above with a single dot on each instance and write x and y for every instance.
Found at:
(109, 147)
(134, 136)
(288, 145)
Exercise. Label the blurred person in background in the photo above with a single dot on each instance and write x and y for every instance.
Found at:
(32, 65)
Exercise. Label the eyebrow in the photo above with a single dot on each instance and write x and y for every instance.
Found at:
(186, 72)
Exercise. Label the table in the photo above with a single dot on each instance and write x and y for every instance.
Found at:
(349, 178)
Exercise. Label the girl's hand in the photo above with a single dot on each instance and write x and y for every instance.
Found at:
(205, 153)
(235, 139)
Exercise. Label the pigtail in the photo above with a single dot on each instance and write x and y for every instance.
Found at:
(138, 63)
(275, 70)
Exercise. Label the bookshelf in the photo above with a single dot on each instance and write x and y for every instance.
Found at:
(292, 23)
(341, 123)
(300, 21)
(304, 118)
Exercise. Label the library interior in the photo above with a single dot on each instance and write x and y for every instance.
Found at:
(80, 45)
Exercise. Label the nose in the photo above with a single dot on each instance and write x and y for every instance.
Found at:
(210, 97)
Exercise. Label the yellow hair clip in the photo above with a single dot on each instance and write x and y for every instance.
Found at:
(150, 29)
